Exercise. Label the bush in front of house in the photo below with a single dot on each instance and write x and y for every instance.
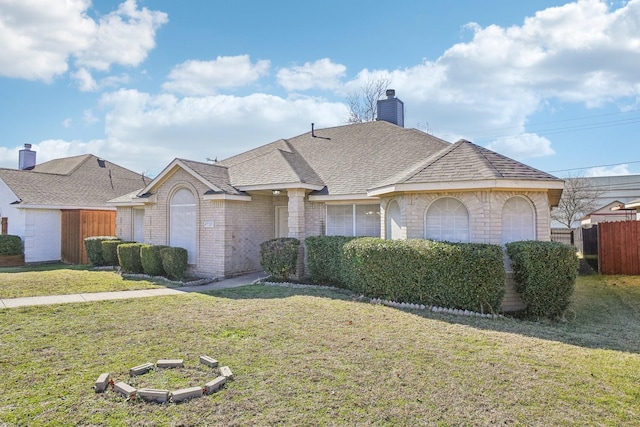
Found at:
(129, 257)
(110, 251)
(467, 276)
(174, 262)
(545, 274)
(151, 259)
(325, 258)
(279, 257)
(93, 245)
(10, 245)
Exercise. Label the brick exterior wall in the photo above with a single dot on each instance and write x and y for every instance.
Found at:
(485, 217)
(229, 233)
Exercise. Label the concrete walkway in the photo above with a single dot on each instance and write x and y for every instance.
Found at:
(102, 296)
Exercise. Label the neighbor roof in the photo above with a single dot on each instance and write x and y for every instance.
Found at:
(75, 182)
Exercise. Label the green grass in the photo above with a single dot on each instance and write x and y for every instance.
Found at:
(59, 279)
(317, 357)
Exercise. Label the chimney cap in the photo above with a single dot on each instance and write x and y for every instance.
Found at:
(391, 93)
(27, 146)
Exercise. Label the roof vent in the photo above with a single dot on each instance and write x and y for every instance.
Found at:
(391, 109)
(26, 158)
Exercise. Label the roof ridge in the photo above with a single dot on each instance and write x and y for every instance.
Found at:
(481, 151)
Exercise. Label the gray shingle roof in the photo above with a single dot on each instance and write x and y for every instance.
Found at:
(77, 181)
(465, 161)
(347, 159)
(351, 159)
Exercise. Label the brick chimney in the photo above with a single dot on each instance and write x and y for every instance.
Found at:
(391, 109)
(26, 158)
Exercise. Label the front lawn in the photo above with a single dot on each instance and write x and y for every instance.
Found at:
(60, 279)
(317, 357)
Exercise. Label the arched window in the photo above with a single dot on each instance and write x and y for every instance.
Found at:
(394, 230)
(447, 219)
(182, 230)
(518, 220)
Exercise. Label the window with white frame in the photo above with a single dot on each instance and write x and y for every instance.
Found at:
(353, 220)
(518, 220)
(183, 231)
(447, 219)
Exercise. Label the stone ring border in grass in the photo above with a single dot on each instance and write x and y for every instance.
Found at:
(161, 396)
(394, 304)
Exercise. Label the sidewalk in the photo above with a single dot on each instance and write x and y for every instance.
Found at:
(102, 296)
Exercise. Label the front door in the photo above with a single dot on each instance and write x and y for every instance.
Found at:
(282, 221)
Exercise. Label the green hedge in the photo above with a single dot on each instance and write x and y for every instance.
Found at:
(466, 276)
(278, 257)
(129, 258)
(174, 262)
(151, 259)
(10, 245)
(93, 245)
(545, 273)
(325, 258)
(110, 251)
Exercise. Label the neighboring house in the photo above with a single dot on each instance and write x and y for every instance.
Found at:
(632, 209)
(368, 179)
(54, 205)
(609, 213)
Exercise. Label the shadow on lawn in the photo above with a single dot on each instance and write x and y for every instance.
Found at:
(619, 331)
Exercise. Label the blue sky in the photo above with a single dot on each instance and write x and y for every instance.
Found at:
(554, 84)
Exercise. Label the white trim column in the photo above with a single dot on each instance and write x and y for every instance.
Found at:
(297, 224)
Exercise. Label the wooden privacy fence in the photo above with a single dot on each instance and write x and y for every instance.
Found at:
(619, 247)
(77, 224)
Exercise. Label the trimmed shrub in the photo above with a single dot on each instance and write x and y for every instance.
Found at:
(10, 245)
(174, 262)
(151, 259)
(110, 251)
(129, 257)
(278, 257)
(325, 257)
(544, 273)
(93, 245)
(468, 276)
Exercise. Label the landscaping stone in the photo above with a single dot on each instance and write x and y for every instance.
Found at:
(102, 382)
(170, 363)
(141, 369)
(124, 389)
(215, 385)
(225, 371)
(186, 393)
(209, 361)
(153, 395)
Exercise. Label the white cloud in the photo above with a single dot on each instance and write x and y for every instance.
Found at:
(582, 52)
(146, 132)
(207, 77)
(38, 37)
(122, 37)
(67, 123)
(524, 146)
(607, 171)
(322, 74)
(85, 81)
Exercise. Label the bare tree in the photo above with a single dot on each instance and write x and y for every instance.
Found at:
(579, 198)
(363, 104)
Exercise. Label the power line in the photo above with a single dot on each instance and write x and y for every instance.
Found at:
(597, 166)
(535, 127)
